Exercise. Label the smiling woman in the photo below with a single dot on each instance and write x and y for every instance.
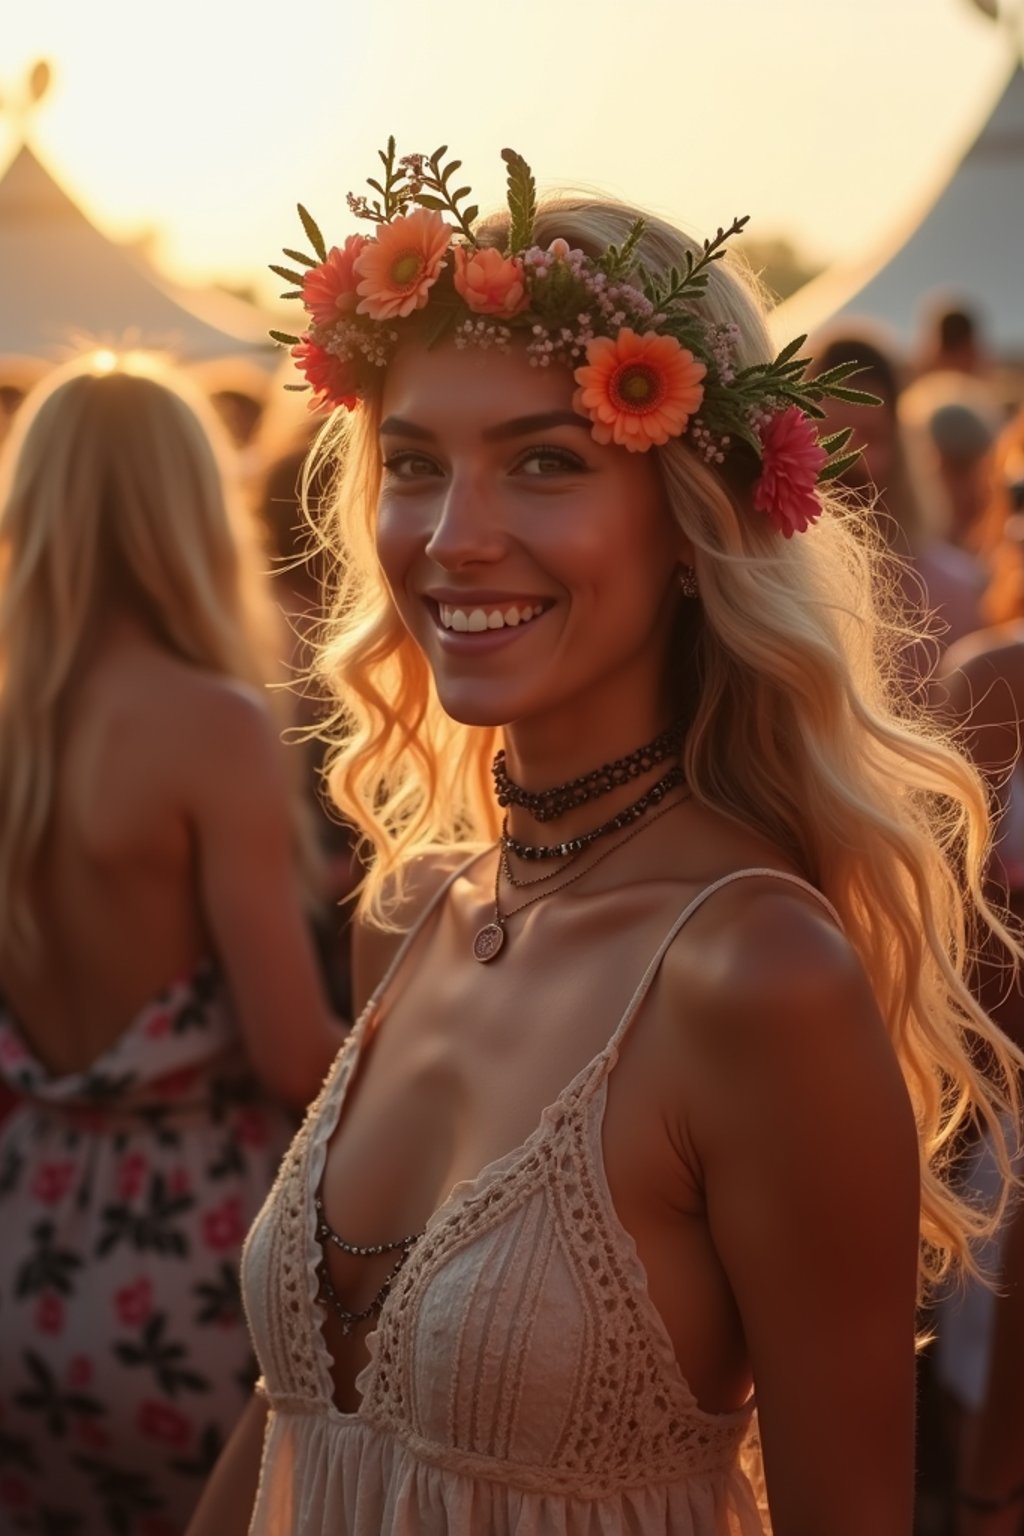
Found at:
(594, 1167)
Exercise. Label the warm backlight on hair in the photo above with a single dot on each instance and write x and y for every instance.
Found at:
(104, 361)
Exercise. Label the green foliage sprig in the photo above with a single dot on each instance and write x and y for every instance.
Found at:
(522, 202)
(440, 198)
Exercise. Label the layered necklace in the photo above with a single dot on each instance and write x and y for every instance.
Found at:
(549, 804)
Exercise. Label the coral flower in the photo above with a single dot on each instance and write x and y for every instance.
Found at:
(332, 381)
(490, 283)
(329, 290)
(791, 459)
(638, 390)
(399, 268)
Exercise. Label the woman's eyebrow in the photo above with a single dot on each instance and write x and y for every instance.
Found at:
(521, 426)
(397, 426)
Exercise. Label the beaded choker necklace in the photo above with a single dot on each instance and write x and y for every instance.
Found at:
(549, 804)
(571, 845)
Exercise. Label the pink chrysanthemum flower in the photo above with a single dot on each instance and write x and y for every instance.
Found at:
(398, 269)
(329, 290)
(791, 460)
(332, 381)
(638, 390)
(490, 283)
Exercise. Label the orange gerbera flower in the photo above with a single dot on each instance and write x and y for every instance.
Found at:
(398, 269)
(638, 390)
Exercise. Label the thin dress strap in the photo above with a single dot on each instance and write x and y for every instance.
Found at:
(698, 901)
(418, 926)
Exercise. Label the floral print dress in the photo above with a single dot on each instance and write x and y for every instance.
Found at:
(125, 1194)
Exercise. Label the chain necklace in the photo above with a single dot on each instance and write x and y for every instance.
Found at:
(490, 939)
(516, 881)
(572, 845)
(549, 804)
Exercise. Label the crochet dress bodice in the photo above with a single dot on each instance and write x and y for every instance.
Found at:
(520, 1378)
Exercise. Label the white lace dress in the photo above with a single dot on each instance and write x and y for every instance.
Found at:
(520, 1379)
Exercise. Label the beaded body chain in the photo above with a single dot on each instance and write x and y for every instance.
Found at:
(325, 1233)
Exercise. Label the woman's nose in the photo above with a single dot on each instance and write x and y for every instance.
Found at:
(465, 531)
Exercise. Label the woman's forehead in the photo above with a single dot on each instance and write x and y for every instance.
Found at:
(449, 386)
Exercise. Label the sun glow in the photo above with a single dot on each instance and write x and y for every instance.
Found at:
(197, 132)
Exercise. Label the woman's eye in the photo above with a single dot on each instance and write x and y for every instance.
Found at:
(549, 461)
(409, 466)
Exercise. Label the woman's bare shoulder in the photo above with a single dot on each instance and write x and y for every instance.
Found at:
(770, 1003)
(374, 947)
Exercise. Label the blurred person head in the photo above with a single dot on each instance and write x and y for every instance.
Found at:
(955, 421)
(1003, 525)
(951, 338)
(882, 473)
(116, 495)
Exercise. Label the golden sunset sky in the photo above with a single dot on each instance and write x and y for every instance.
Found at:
(199, 124)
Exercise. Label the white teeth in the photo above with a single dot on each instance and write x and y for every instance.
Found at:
(474, 620)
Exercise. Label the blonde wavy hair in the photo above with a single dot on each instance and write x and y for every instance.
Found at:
(114, 489)
(798, 729)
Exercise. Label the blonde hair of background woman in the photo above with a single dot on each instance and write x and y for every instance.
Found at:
(114, 486)
(799, 731)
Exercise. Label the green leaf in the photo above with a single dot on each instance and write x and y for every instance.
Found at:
(375, 185)
(853, 396)
(298, 388)
(624, 258)
(790, 351)
(835, 467)
(288, 275)
(291, 293)
(313, 234)
(303, 260)
(837, 374)
(836, 441)
(469, 214)
(284, 338)
(437, 204)
(522, 201)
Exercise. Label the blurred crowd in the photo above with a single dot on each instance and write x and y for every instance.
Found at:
(162, 592)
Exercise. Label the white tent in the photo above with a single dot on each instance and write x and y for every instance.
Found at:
(65, 283)
(969, 244)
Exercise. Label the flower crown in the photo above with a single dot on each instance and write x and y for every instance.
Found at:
(647, 365)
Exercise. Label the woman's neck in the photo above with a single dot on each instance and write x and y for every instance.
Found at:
(543, 762)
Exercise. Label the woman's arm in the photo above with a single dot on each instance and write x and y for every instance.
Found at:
(226, 1506)
(250, 892)
(802, 1126)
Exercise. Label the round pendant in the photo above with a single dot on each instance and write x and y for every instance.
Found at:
(488, 942)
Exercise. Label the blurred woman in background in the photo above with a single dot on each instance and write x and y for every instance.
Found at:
(161, 1014)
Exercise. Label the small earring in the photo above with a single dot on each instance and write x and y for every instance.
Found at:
(688, 581)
